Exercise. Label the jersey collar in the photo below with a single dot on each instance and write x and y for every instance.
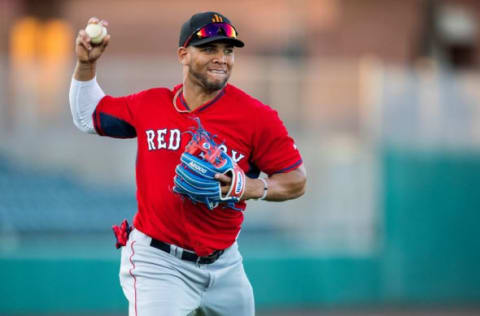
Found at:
(181, 105)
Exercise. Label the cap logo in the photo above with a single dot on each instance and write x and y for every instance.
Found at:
(217, 19)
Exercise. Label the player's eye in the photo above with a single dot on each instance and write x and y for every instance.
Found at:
(208, 49)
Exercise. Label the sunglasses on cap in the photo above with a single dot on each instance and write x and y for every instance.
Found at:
(213, 30)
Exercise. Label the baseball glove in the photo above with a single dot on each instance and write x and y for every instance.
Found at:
(195, 175)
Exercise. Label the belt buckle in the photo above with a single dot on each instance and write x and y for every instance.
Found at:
(207, 259)
(216, 254)
(211, 258)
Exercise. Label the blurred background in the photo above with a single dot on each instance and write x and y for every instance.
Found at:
(382, 97)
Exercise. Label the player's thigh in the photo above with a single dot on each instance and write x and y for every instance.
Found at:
(152, 285)
(232, 295)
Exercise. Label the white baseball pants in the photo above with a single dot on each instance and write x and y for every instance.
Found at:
(157, 283)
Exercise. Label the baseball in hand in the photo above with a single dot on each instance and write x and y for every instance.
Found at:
(96, 32)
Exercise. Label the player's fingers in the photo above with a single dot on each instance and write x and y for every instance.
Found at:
(224, 179)
(225, 189)
(83, 45)
(102, 45)
(104, 23)
(83, 34)
(84, 37)
(80, 43)
(105, 41)
(84, 40)
(93, 20)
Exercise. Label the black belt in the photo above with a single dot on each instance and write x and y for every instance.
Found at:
(186, 254)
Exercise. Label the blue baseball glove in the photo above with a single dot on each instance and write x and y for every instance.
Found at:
(195, 175)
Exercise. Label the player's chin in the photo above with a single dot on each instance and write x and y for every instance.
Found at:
(217, 83)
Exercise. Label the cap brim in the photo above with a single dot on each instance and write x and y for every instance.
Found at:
(235, 42)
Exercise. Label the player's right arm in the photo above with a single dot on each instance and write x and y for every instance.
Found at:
(88, 54)
(85, 93)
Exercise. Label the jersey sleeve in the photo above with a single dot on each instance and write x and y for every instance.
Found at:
(115, 116)
(274, 150)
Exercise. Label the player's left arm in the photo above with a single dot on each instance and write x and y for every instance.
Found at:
(280, 186)
(274, 152)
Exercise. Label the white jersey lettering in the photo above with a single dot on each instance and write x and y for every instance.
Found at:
(150, 137)
(161, 138)
(174, 142)
(171, 139)
(237, 156)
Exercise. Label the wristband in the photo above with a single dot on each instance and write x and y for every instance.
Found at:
(265, 188)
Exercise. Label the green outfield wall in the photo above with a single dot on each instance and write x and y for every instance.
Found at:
(429, 253)
(432, 217)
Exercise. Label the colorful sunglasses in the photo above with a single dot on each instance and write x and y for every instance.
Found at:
(212, 30)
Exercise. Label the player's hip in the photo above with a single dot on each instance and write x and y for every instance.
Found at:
(142, 247)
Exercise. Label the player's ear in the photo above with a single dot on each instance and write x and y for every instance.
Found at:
(183, 54)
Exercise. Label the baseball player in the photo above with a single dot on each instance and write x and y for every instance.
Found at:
(201, 148)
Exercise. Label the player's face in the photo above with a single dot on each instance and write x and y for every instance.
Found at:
(210, 65)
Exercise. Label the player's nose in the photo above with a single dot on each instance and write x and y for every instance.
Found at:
(221, 57)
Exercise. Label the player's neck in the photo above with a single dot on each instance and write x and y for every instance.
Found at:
(196, 96)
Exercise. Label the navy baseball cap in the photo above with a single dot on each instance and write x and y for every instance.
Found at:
(207, 27)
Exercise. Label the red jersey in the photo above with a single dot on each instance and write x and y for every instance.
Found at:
(252, 134)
